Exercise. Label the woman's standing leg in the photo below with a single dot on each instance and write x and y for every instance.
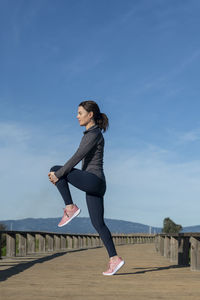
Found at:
(96, 212)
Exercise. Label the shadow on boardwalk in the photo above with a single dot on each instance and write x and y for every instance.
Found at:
(22, 266)
(152, 269)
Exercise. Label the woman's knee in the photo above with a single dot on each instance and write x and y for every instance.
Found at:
(55, 168)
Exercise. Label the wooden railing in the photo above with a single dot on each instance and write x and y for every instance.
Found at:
(182, 248)
(21, 243)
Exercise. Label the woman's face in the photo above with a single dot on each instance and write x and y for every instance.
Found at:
(83, 116)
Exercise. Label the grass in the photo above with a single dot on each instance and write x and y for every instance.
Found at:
(3, 245)
(3, 251)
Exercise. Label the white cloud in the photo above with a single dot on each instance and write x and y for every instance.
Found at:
(13, 133)
(145, 187)
(190, 136)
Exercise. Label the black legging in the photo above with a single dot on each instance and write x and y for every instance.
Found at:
(95, 189)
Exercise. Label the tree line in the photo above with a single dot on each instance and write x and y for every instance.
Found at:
(170, 226)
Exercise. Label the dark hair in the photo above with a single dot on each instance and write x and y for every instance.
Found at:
(100, 118)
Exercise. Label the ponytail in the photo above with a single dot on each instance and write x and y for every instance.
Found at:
(102, 122)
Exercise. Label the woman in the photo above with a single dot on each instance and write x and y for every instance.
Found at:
(90, 179)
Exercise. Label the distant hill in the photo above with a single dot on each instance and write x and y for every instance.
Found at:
(78, 225)
(83, 225)
(191, 229)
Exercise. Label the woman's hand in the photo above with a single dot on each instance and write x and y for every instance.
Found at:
(52, 177)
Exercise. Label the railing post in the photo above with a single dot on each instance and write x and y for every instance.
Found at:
(31, 243)
(56, 242)
(10, 244)
(41, 246)
(97, 241)
(179, 250)
(89, 241)
(69, 242)
(80, 241)
(92, 241)
(167, 246)
(161, 245)
(174, 250)
(84, 245)
(49, 242)
(75, 242)
(100, 241)
(183, 251)
(22, 244)
(157, 243)
(62, 242)
(195, 254)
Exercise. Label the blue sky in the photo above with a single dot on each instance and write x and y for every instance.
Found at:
(140, 61)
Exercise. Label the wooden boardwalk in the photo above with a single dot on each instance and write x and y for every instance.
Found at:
(78, 275)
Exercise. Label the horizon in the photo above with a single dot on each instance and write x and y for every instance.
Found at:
(143, 223)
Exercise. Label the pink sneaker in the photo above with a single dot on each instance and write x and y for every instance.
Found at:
(114, 266)
(69, 215)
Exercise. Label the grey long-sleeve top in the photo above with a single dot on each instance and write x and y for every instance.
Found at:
(90, 151)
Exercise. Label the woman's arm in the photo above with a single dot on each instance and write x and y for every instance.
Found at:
(88, 141)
